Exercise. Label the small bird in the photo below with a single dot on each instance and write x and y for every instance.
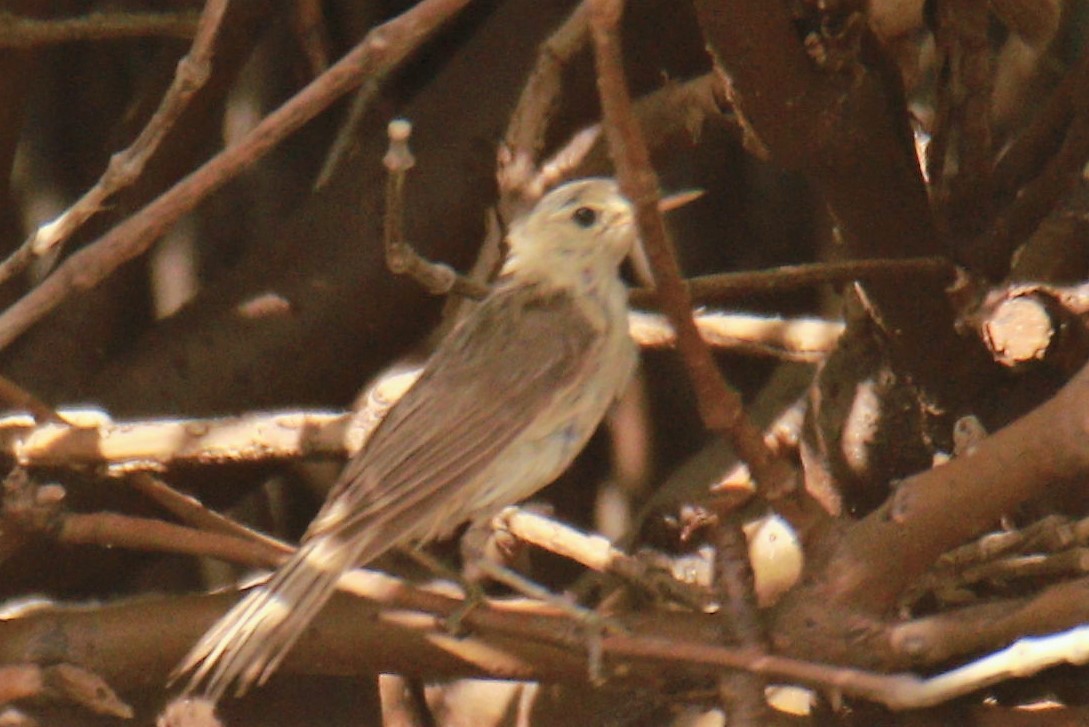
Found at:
(503, 406)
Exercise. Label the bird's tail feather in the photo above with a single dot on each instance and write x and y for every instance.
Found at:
(250, 641)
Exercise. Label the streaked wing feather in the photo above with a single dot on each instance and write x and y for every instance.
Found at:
(468, 405)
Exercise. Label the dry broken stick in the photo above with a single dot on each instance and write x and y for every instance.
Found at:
(1029, 323)
(92, 438)
(126, 166)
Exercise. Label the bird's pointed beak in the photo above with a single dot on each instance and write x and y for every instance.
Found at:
(679, 199)
(639, 261)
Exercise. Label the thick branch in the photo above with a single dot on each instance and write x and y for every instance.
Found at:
(929, 514)
(850, 132)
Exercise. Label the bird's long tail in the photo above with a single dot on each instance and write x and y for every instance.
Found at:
(247, 644)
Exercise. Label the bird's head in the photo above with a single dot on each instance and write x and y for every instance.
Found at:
(582, 223)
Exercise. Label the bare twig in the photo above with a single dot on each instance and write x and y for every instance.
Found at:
(383, 48)
(436, 278)
(989, 625)
(29, 508)
(308, 25)
(794, 339)
(190, 510)
(126, 166)
(720, 406)
(991, 252)
(726, 286)
(597, 553)
(19, 399)
(20, 32)
(1040, 140)
(111, 530)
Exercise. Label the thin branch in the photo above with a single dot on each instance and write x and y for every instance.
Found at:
(308, 27)
(33, 509)
(962, 131)
(383, 48)
(1040, 140)
(19, 399)
(191, 511)
(742, 694)
(597, 553)
(22, 33)
(992, 251)
(720, 406)
(731, 286)
(793, 339)
(978, 628)
(111, 530)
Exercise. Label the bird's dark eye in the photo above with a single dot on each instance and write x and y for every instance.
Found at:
(584, 217)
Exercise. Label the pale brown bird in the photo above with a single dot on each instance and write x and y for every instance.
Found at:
(508, 399)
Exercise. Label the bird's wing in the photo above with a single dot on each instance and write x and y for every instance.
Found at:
(479, 391)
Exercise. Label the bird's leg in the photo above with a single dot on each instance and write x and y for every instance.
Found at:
(593, 624)
(488, 548)
(473, 591)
